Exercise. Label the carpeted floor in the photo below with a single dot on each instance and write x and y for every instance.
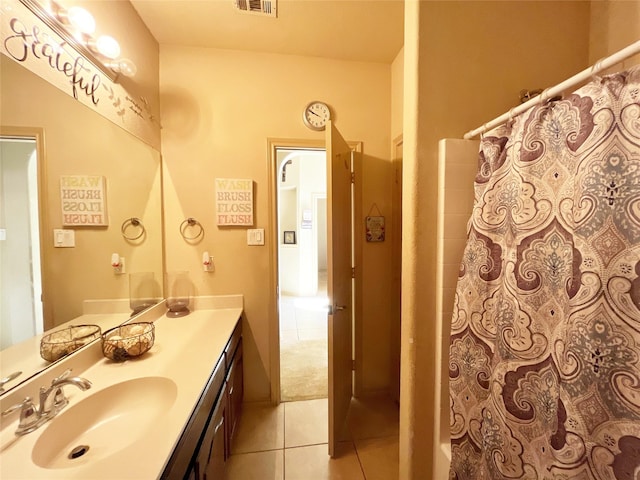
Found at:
(303, 370)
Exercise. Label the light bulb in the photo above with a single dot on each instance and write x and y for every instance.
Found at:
(108, 46)
(81, 20)
(124, 66)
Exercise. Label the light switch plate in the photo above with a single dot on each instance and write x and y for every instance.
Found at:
(63, 237)
(255, 236)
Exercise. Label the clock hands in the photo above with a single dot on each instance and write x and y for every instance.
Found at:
(316, 114)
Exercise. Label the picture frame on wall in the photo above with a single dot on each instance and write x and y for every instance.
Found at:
(289, 237)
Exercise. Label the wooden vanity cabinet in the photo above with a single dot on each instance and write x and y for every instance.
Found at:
(205, 443)
(234, 394)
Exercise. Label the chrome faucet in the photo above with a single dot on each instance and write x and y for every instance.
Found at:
(52, 400)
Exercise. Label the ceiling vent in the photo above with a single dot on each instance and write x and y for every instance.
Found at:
(260, 7)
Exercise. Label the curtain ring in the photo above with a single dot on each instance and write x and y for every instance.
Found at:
(595, 69)
(543, 96)
(511, 115)
(132, 222)
(191, 222)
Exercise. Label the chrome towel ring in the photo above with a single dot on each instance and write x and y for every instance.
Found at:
(135, 228)
(188, 224)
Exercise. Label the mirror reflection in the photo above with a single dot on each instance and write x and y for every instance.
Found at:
(52, 275)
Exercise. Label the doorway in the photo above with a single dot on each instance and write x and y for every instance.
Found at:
(302, 272)
(21, 313)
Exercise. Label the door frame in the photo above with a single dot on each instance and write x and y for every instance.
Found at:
(45, 233)
(396, 264)
(272, 240)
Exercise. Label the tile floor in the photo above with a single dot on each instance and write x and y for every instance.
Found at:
(289, 442)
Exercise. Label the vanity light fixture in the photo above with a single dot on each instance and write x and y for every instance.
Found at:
(77, 26)
(124, 66)
(79, 19)
(106, 46)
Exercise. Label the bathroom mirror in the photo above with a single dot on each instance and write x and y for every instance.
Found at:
(73, 140)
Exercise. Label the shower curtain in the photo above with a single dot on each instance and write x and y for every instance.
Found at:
(545, 338)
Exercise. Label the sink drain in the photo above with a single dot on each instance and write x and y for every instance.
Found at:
(79, 451)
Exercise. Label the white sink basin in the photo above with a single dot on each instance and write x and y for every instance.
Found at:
(103, 423)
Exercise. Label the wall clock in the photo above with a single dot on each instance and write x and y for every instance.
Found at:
(316, 115)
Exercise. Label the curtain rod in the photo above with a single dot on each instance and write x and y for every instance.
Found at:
(548, 93)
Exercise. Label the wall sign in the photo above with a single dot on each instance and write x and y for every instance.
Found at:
(375, 229)
(83, 200)
(234, 202)
(374, 225)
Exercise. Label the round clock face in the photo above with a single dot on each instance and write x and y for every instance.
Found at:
(316, 115)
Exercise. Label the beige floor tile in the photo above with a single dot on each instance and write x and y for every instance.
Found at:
(256, 466)
(306, 422)
(373, 417)
(261, 428)
(314, 463)
(379, 457)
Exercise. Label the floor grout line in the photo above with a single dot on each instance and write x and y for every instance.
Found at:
(355, 447)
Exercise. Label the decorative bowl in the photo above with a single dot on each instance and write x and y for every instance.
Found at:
(60, 343)
(128, 341)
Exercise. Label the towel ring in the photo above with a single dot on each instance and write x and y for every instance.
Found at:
(132, 222)
(191, 222)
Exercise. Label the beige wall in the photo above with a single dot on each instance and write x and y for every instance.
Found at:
(218, 108)
(465, 63)
(397, 94)
(614, 25)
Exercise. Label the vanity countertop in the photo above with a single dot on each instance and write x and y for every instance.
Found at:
(185, 351)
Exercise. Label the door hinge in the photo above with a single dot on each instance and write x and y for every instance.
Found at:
(353, 365)
(353, 272)
(353, 177)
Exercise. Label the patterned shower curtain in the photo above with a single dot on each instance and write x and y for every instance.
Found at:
(545, 337)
